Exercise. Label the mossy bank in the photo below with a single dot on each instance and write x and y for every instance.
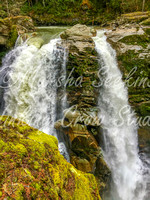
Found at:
(31, 167)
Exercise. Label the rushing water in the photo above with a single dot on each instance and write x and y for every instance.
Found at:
(119, 129)
(31, 91)
(29, 86)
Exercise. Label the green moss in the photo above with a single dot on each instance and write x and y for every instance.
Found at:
(13, 36)
(146, 22)
(142, 40)
(130, 60)
(136, 73)
(3, 52)
(144, 109)
(19, 190)
(31, 158)
(147, 30)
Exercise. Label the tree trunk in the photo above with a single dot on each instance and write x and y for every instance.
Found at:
(137, 5)
(143, 5)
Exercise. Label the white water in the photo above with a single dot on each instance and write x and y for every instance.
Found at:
(31, 93)
(119, 129)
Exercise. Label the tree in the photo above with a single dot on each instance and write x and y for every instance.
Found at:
(143, 5)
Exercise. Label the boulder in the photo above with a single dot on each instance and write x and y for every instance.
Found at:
(81, 32)
(36, 41)
(31, 166)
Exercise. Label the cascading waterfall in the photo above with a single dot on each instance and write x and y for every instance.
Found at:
(31, 92)
(119, 129)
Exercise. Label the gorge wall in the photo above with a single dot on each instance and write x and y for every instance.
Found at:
(131, 40)
(80, 122)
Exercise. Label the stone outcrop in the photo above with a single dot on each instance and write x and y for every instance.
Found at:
(82, 66)
(11, 27)
(80, 122)
(31, 167)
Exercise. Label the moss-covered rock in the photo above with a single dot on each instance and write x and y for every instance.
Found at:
(82, 66)
(11, 27)
(135, 16)
(134, 61)
(147, 31)
(31, 167)
(146, 22)
(142, 40)
(12, 36)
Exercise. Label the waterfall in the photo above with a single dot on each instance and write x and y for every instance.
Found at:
(29, 77)
(119, 128)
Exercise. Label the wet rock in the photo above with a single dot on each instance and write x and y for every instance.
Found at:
(80, 121)
(82, 67)
(144, 138)
(103, 175)
(36, 41)
(84, 146)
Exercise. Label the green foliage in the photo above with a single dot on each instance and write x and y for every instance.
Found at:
(70, 12)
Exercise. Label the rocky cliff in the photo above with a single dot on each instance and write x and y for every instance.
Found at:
(80, 121)
(131, 39)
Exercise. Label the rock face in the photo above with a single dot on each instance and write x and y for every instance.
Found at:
(80, 121)
(11, 27)
(131, 42)
(82, 66)
(31, 167)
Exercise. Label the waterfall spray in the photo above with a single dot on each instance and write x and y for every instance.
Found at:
(31, 92)
(119, 128)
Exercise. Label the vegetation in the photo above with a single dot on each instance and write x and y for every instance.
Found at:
(70, 12)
